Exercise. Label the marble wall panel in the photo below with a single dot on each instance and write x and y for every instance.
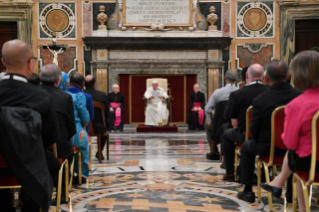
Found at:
(226, 24)
(254, 53)
(87, 58)
(157, 55)
(66, 59)
(87, 18)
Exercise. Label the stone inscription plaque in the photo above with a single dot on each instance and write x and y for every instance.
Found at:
(167, 12)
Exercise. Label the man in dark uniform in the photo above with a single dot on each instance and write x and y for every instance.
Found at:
(98, 96)
(117, 103)
(50, 77)
(16, 92)
(196, 114)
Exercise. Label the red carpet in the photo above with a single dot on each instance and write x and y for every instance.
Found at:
(143, 128)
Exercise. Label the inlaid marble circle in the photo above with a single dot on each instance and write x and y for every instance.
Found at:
(57, 20)
(255, 19)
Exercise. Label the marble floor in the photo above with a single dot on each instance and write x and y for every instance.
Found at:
(161, 172)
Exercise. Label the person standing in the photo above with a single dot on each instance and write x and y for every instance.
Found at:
(36, 109)
(98, 96)
(196, 114)
(117, 104)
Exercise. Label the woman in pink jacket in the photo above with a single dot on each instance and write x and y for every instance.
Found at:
(297, 127)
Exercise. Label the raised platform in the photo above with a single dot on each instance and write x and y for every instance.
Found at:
(143, 128)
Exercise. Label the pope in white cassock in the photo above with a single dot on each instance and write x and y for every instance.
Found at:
(156, 110)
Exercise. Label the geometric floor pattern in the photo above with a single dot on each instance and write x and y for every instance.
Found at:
(161, 172)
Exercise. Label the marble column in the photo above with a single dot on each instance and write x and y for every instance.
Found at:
(213, 80)
(101, 79)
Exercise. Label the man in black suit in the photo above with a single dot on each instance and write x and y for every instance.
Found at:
(240, 101)
(280, 93)
(98, 96)
(37, 184)
(50, 77)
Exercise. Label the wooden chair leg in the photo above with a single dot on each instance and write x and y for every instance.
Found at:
(108, 147)
(258, 180)
(236, 163)
(99, 148)
(268, 181)
(72, 173)
(90, 154)
(58, 190)
(294, 194)
(80, 166)
(66, 185)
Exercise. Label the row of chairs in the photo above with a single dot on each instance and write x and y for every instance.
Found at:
(10, 182)
(307, 179)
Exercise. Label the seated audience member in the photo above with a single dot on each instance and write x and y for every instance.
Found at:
(99, 96)
(65, 81)
(243, 77)
(76, 86)
(241, 100)
(196, 114)
(24, 106)
(297, 127)
(50, 77)
(34, 79)
(82, 119)
(117, 103)
(280, 93)
(220, 95)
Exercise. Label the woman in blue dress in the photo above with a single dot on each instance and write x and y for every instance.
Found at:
(82, 118)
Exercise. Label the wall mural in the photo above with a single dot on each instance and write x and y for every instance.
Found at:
(59, 18)
(255, 19)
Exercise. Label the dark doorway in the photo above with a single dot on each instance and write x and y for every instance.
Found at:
(307, 34)
(8, 31)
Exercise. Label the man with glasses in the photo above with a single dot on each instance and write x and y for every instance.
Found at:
(29, 128)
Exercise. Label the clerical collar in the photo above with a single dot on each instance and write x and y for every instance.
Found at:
(15, 77)
(255, 82)
(229, 84)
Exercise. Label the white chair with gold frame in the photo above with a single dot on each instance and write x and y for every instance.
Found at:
(162, 83)
(308, 179)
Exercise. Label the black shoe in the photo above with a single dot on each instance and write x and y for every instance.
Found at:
(289, 197)
(97, 156)
(276, 192)
(229, 177)
(248, 197)
(222, 166)
(213, 156)
(76, 179)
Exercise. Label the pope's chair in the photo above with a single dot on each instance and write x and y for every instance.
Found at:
(101, 107)
(307, 179)
(247, 136)
(65, 165)
(163, 83)
(277, 128)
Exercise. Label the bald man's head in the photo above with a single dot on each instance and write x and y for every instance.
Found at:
(16, 54)
(89, 81)
(255, 72)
